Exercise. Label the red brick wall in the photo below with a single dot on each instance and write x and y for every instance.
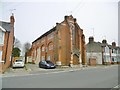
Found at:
(8, 45)
(61, 44)
(0, 48)
(5, 45)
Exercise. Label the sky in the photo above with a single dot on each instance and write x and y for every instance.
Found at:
(98, 18)
(119, 24)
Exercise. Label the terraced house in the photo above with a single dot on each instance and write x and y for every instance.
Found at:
(6, 43)
(63, 45)
(102, 53)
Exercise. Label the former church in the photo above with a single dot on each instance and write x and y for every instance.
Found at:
(63, 45)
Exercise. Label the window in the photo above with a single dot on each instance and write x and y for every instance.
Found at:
(50, 47)
(43, 48)
(1, 37)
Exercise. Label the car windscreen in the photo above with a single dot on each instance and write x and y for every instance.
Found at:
(19, 60)
(49, 62)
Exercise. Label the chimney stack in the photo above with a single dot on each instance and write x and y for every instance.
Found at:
(91, 39)
(113, 44)
(65, 17)
(12, 20)
(104, 41)
(75, 20)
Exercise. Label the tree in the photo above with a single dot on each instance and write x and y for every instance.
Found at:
(16, 52)
(17, 43)
(26, 47)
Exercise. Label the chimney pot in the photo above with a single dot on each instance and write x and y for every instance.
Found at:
(12, 20)
(65, 17)
(57, 23)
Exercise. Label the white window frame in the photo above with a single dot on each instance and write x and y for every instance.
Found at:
(2, 34)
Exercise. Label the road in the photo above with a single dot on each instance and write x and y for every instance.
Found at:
(100, 77)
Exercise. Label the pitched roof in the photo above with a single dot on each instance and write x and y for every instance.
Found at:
(54, 28)
(94, 47)
(1, 28)
(5, 25)
(45, 34)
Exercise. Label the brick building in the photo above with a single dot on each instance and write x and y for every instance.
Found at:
(102, 53)
(64, 44)
(6, 43)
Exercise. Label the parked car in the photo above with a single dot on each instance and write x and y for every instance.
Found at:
(18, 63)
(46, 64)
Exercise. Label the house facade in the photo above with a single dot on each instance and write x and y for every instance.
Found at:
(94, 52)
(106, 52)
(115, 53)
(2, 36)
(102, 53)
(6, 46)
(63, 45)
(118, 54)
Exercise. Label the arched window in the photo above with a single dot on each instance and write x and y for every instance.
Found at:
(50, 46)
(42, 48)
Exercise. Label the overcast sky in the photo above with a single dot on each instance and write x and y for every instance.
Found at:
(98, 18)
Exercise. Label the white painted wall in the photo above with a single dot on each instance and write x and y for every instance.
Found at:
(98, 57)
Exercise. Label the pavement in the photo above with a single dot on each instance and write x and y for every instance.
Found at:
(31, 69)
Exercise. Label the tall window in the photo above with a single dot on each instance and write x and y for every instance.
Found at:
(50, 47)
(43, 48)
(1, 37)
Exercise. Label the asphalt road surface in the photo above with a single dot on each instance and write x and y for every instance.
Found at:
(100, 77)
